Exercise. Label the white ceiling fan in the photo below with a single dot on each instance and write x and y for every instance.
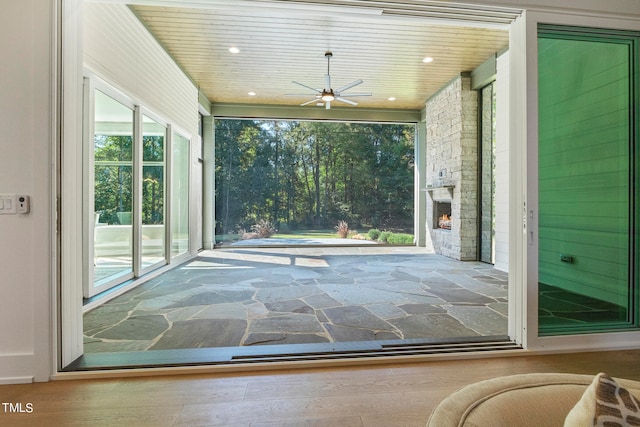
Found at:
(327, 95)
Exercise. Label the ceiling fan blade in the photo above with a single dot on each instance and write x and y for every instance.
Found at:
(327, 105)
(308, 102)
(308, 87)
(327, 82)
(354, 94)
(317, 95)
(350, 85)
(348, 101)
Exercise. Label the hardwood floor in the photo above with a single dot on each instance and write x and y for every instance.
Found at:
(377, 395)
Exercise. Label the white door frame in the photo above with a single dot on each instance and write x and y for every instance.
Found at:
(523, 185)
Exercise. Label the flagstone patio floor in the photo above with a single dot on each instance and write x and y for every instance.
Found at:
(246, 296)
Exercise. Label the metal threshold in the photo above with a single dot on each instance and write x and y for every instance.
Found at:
(288, 353)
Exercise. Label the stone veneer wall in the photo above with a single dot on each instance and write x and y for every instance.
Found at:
(452, 160)
(486, 183)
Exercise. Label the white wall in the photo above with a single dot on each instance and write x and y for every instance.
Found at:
(26, 146)
(119, 49)
(502, 163)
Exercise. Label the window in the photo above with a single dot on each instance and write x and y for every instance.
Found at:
(180, 196)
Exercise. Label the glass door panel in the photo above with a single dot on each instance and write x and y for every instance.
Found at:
(179, 196)
(153, 190)
(586, 181)
(113, 191)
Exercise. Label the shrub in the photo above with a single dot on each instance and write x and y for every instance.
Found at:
(384, 236)
(342, 229)
(374, 234)
(263, 229)
(400, 238)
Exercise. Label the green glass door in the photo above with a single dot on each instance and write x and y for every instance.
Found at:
(587, 180)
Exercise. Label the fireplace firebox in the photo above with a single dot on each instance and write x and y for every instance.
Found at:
(442, 215)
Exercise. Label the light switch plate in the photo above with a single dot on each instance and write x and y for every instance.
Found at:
(8, 204)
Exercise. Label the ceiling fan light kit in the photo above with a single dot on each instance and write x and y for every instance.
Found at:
(328, 94)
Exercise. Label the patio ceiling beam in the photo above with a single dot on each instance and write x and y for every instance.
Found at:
(311, 113)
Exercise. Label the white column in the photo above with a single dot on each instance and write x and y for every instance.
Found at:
(523, 323)
(502, 163)
(71, 253)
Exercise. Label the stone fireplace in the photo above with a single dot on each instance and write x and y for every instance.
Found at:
(452, 170)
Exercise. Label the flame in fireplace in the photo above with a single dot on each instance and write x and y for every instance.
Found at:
(445, 221)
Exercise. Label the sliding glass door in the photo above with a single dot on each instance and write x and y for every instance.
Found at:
(588, 180)
(179, 196)
(127, 232)
(112, 192)
(153, 193)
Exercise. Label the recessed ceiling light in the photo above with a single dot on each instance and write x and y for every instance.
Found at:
(234, 50)
(252, 93)
(427, 59)
(392, 98)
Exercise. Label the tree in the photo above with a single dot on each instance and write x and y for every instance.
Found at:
(313, 174)
(113, 176)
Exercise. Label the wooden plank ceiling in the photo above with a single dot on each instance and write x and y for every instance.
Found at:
(280, 45)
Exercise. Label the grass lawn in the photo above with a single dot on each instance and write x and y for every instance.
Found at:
(317, 234)
(307, 234)
(298, 234)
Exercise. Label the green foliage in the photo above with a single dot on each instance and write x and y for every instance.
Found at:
(313, 174)
(384, 236)
(343, 229)
(374, 234)
(392, 238)
(400, 239)
(113, 179)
